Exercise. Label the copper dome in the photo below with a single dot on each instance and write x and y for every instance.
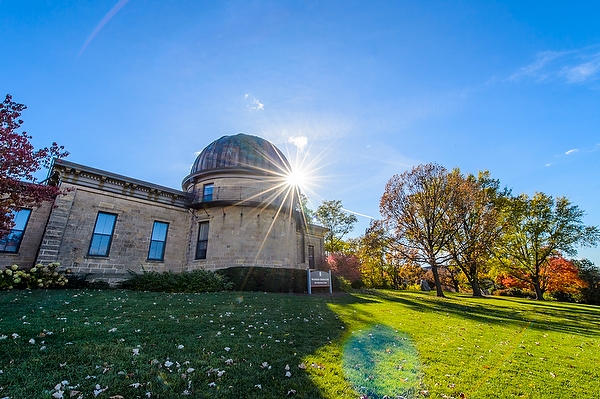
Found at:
(241, 151)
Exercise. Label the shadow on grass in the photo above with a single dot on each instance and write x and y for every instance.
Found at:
(559, 317)
(252, 337)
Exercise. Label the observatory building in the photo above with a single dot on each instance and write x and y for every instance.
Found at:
(235, 208)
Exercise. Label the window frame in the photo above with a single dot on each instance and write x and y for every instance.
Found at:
(155, 240)
(4, 241)
(208, 197)
(99, 235)
(202, 241)
(311, 257)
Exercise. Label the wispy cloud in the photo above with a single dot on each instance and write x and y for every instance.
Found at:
(575, 66)
(572, 151)
(254, 103)
(300, 142)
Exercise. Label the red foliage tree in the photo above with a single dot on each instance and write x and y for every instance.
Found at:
(347, 266)
(557, 275)
(563, 276)
(18, 162)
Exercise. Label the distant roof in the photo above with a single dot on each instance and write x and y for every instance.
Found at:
(241, 151)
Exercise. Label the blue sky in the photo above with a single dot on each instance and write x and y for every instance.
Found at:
(138, 87)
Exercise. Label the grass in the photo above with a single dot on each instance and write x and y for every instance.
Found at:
(240, 345)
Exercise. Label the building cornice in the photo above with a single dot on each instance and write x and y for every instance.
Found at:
(85, 176)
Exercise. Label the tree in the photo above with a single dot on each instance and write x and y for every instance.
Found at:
(558, 276)
(372, 253)
(344, 265)
(417, 208)
(537, 229)
(332, 216)
(478, 226)
(18, 163)
(589, 273)
(307, 213)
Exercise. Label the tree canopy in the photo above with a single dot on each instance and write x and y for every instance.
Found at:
(18, 163)
(417, 208)
(339, 222)
(537, 229)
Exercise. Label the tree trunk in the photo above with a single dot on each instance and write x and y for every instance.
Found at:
(539, 295)
(436, 279)
(476, 289)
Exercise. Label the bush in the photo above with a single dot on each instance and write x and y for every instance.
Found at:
(516, 292)
(39, 276)
(358, 284)
(80, 281)
(341, 284)
(194, 281)
(266, 279)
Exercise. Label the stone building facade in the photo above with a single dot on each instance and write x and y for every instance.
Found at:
(235, 209)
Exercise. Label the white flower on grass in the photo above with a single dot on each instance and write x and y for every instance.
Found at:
(180, 346)
(99, 390)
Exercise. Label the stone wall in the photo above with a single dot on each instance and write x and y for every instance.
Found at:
(71, 225)
(34, 231)
(247, 236)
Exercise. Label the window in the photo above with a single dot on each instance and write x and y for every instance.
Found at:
(207, 195)
(158, 241)
(202, 241)
(311, 256)
(103, 232)
(12, 241)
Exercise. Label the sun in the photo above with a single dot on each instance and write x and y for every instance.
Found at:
(295, 178)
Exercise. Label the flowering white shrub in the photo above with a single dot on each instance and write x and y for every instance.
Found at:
(39, 276)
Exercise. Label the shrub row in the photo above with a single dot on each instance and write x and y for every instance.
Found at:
(194, 281)
(266, 279)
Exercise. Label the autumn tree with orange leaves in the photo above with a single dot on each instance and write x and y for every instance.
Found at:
(558, 276)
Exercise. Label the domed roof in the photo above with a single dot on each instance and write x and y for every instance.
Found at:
(241, 151)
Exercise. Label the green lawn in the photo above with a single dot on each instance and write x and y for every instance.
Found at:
(84, 343)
